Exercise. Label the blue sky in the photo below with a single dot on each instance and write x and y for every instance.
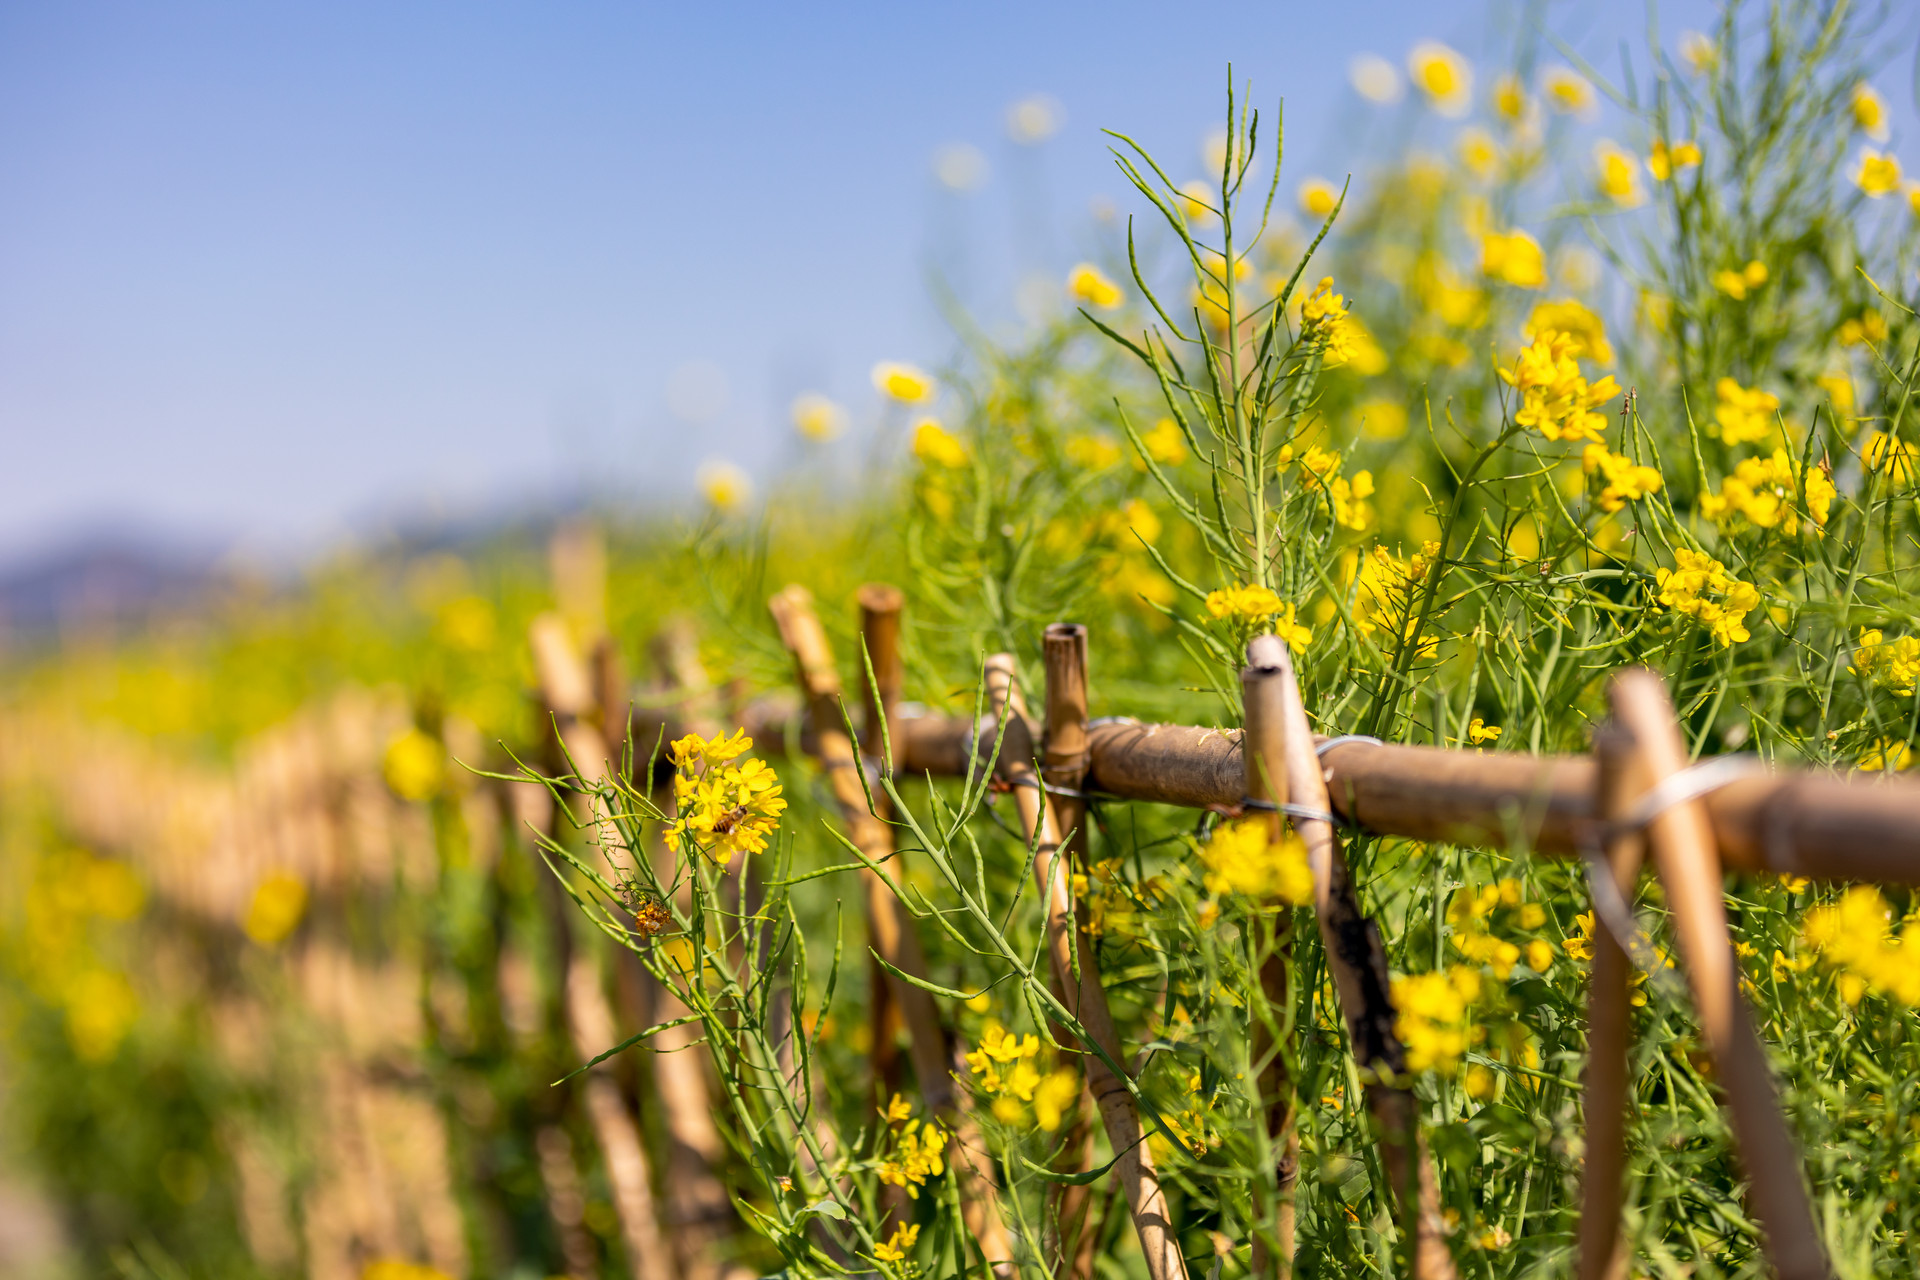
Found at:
(285, 272)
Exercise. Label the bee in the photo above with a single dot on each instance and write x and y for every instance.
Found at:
(726, 822)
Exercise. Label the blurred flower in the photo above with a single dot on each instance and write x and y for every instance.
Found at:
(1878, 174)
(1443, 75)
(400, 1269)
(1318, 197)
(1760, 491)
(1055, 1096)
(1738, 284)
(1381, 418)
(960, 166)
(1165, 444)
(1556, 399)
(1699, 587)
(466, 623)
(1625, 481)
(415, 765)
(816, 417)
(1618, 175)
(1432, 1021)
(1510, 98)
(1514, 257)
(1887, 755)
(1567, 91)
(1743, 414)
(1896, 457)
(1478, 153)
(1374, 78)
(1033, 120)
(1869, 112)
(1668, 157)
(1241, 857)
(278, 904)
(1868, 329)
(1571, 317)
(1086, 283)
(1215, 148)
(1699, 52)
(724, 486)
(1243, 603)
(932, 443)
(1197, 198)
(902, 382)
(1892, 664)
(1095, 453)
(1851, 935)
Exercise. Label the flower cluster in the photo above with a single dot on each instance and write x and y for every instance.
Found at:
(1241, 857)
(1247, 608)
(1887, 755)
(1667, 157)
(1556, 398)
(725, 808)
(933, 443)
(1742, 415)
(916, 1151)
(1326, 322)
(1571, 317)
(1894, 664)
(1738, 282)
(895, 1247)
(1320, 470)
(1514, 257)
(1010, 1074)
(1384, 592)
(1469, 915)
(1701, 588)
(1852, 936)
(1895, 457)
(1625, 480)
(1761, 491)
(1432, 1021)
(1087, 283)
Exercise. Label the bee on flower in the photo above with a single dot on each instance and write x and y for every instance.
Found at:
(725, 808)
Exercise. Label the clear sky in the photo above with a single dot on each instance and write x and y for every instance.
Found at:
(283, 271)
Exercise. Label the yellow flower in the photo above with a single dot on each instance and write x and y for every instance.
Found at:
(1699, 52)
(1514, 257)
(1318, 197)
(1625, 481)
(724, 486)
(1760, 490)
(1243, 603)
(1086, 283)
(1556, 399)
(1887, 755)
(932, 443)
(1539, 955)
(1510, 98)
(724, 808)
(1478, 153)
(1743, 414)
(1240, 858)
(400, 1269)
(1869, 112)
(1479, 731)
(1868, 329)
(1568, 91)
(918, 1152)
(1669, 157)
(1572, 318)
(1895, 457)
(1432, 1019)
(415, 765)
(1839, 388)
(1197, 199)
(279, 903)
(1165, 443)
(1480, 1083)
(1738, 284)
(896, 1111)
(1381, 418)
(1443, 75)
(1893, 664)
(902, 382)
(1700, 588)
(894, 1248)
(1656, 310)
(1879, 174)
(1383, 586)
(1819, 494)
(1618, 175)
(1580, 941)
(1326, 322)
(818, 418)
(1851, 935)
(1055, 1096)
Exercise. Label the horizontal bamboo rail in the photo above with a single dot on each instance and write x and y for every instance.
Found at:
(1794, 822)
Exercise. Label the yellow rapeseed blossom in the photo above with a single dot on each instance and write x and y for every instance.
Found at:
(1326, 322)
(1320, 468)
(1243, 603)
(725, 808)
(1241, 858)
(1667, 158)
(1556, 399)
(1760, 491)
(1567, 91)
(1701, 588)
(894, 1248)
(1087, 283)
(1166, 444)
(1818, 493)
(1450, 299)
(1514, 257)
(817, 418)
(1617, 173)
(1625, 481)
(1381, 418)
(1887, 755)
(1869, 111)
(1094, 453)
(1318, 197)
(278, 905)
(1852, 936)
(400, 1269)
(724, 486)
(1510, 98)
(1738, 283)
(1007, 1071)
(1868, 329)
(1742, 415)
(1699, 52)
(1479, 153)
(1895, 457)
(1878, 175)
(1443, 75)
(1197, 198)
(1479, 731)
(1892, 664)
(902, 382)
(932, 443)
(1432, 1019)
(1573, 318)
(1054, 1099)
(415, 765)
(916, 1152)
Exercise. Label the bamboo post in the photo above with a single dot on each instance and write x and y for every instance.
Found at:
(1609, 1029)
(1266, 779)
(1064, 759)
(880, 607)
(566, 688)
(1358, 960)
(1683, 853)
(1085, 997)
(890, 928)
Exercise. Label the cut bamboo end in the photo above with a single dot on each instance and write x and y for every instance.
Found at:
(880, 609)
(1064, 655)
(806, 639)
(565, 685)
(1681, 839)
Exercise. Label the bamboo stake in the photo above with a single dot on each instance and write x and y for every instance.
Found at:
(1266, 779)
(890, 928)
(1683, 853)
(1064, 759)
(1358, 960)
(880, 607)
(1609, 1030)
(1086, 998)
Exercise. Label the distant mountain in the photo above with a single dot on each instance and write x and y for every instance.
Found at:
(102, 581)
